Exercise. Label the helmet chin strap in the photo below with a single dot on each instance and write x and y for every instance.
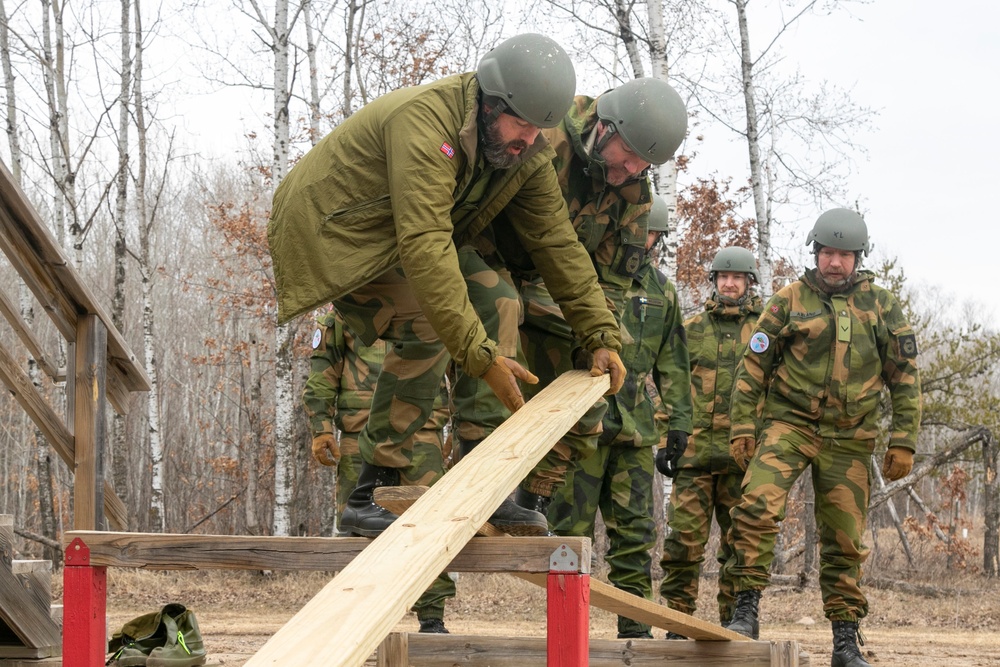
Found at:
(497, 106)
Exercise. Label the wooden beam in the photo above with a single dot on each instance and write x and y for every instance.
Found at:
(348, 618)
(37, 257)
(156, 551)
(603, 596)
(13, 316)
(89, 423)
(424, 650)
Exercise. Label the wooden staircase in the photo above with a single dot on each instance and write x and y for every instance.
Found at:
(29, 635)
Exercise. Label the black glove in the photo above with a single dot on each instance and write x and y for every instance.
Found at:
(668, 456)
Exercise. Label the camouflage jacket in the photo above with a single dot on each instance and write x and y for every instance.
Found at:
(396, 184)
(821, 361)
(652, 342)
(609, 221)
(716, 339)
(342, 375)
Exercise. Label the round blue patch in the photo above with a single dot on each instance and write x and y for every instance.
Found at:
(317, 338)
(759, 342)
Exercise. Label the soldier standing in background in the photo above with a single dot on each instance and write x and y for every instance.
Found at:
(812, 376)
(707, 480)
(618, 478)
(338, 397)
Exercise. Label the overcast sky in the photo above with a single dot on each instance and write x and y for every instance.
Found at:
(932, 72)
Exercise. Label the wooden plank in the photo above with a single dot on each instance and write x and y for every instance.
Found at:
(348, 618)
(36, 255)
(394, 651)
(42, 662)
(36, 576)
(89, 423)
(29, 618)
(424, 650)
(604, 596)
(13, 316)
(6, 541)
(156, 551)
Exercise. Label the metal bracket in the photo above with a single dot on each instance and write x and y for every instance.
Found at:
(564, 559)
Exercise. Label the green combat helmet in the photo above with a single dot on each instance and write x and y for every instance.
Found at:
(532, 76)
(840, 228)
(648, 114)
(736, 259)
(659, 215)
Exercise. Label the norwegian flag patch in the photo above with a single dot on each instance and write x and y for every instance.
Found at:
(447, 149)
(775, 309)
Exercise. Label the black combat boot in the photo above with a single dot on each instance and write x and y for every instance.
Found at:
(510, 517)
(745, 614)
(846, 653)
(361, 515)
(434, 626)
(532, 501)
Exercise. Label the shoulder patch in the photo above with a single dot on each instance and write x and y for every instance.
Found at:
(908, 346)
(317, 338)
(775, 309)
(448, 150)
(759, 342)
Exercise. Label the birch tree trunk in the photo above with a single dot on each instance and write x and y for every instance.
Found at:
(764, 252)
(283, 394)
(667, 172)
(991, 507)
(119, 453)
(13, 140)
(157, 513)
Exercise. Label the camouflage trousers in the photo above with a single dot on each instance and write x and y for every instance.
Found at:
(696, 497)
(426, 470)
(548, 350)
(841, 476)
(416, 361)
(618, 482)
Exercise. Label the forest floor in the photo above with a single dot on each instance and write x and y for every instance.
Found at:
(954, 620)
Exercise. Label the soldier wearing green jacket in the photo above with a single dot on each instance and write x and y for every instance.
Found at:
(375, 216)
(706, 479)
(603, 149)
(617, 480)
(822, 352)
(337, 397)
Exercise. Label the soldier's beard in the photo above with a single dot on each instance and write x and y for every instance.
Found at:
(496, 150)
(835, 286)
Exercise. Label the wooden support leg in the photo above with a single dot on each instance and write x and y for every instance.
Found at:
(568, 631)
(85, 603)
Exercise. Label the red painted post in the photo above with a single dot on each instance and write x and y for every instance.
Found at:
(85, 601)
(568, 632)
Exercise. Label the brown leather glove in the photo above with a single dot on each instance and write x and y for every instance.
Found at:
(502, 378)
(607, 360)
(325, 449)
(742, 449)
(897, 464)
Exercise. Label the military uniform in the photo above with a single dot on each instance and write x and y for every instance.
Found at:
(379, 238)
(618, 478)
(610, 222)
(812, 375)
(708, 480)
(338, 393)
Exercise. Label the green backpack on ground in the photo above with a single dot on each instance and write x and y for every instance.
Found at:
(167, 638)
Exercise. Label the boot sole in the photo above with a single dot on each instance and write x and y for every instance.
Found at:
(522, 529)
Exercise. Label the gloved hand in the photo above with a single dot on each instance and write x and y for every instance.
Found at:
(897, 464)
(325, 449)
(502, 378)
(668, 456)
(742, 449)
(607, 360)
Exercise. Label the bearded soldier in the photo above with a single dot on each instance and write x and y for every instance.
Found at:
(707, 480)
(812, 376)
(375, 218)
